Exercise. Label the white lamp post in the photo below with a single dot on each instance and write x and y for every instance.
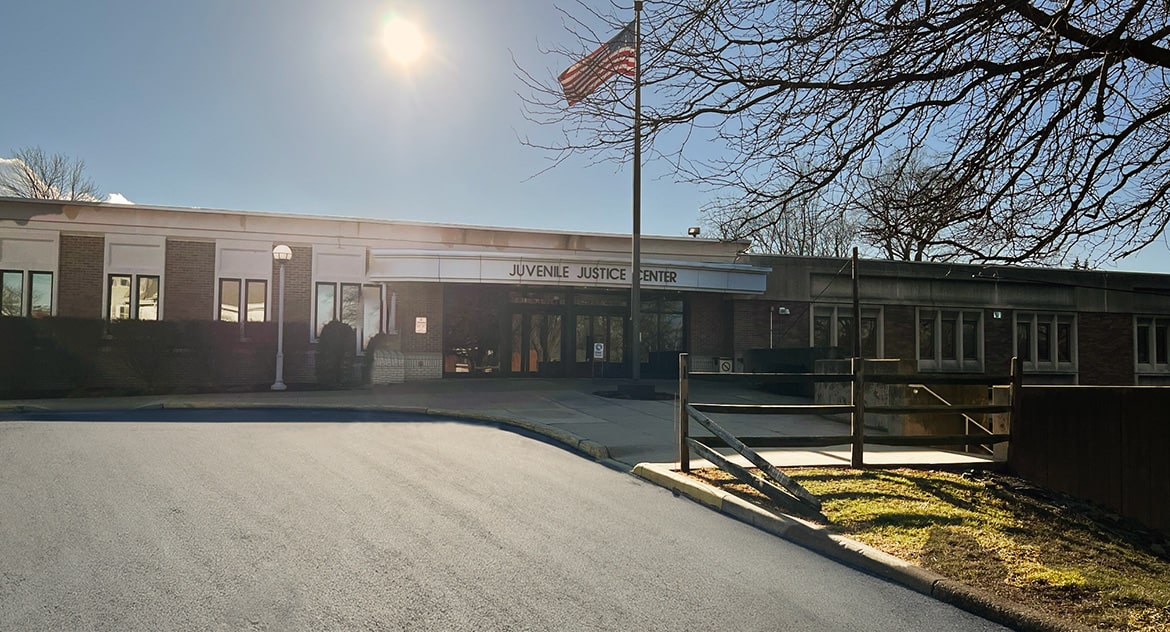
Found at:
(282, 254)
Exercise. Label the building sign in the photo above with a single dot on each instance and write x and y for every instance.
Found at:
(420, 325)
(599, 351)
(588, 273)
(522, 269)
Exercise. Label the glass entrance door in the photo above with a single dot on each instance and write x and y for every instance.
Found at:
(608, 330)
(536, 344)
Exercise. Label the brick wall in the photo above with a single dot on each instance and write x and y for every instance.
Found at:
(900, 331)
(420, 299)
(748, 331)
(190, 282)
(708, 333)
(1105, 349)
(80, 284)
(997, 342)
(756, 326)
(791, 330)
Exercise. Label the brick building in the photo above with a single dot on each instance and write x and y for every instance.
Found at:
(469, 300)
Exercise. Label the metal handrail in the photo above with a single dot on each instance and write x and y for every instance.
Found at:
(967, 418)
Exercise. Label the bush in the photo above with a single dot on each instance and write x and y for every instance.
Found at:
(335, 351)
(46, 357)
(148, 348)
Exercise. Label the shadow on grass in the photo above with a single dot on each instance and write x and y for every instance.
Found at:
(956, 554)
(915, 520)
(871, 496)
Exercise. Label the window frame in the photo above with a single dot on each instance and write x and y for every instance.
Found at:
(27, 289)
(1152, 323)
(338, 289)
(654, 313)
(1031, 360)
(135, 295)
(836, 313)
(243, 313)
(960, 363)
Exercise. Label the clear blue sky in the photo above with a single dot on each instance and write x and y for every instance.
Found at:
(294, 106)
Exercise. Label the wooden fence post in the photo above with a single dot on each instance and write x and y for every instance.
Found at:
(1014, 416)
(682, 418)
(857, 451)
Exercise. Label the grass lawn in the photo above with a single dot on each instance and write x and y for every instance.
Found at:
(998, 534)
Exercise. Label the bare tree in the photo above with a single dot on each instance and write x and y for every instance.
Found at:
(1060, 110)
(805, 227)
(34, 174)
(913, 210)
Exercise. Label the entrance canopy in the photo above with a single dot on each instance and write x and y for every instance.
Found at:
(446, 266)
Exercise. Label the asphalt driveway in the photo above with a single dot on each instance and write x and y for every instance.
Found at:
(320, 525)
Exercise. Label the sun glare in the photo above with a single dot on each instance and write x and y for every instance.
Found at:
(403, 41)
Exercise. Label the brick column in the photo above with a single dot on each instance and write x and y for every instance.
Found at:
(81, 264)
(190, 281)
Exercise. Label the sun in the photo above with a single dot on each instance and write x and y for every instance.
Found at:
(403, 41)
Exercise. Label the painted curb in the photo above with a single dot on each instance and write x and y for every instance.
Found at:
(861, 556)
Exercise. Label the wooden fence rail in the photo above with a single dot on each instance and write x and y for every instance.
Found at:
(688, 410)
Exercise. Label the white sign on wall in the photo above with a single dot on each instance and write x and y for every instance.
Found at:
(599, 351)
(420, 325)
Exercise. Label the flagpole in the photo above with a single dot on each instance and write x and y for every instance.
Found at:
(636, 280)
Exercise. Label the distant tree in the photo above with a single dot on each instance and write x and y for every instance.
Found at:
(34, 174)
(803, 227)
(915, 210)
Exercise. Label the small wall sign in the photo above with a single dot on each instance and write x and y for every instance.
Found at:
(420, 325)
(599, 351)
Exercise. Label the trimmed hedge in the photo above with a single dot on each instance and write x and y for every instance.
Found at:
(335, 352)
(55, 357)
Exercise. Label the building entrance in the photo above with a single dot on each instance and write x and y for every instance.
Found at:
(545, 332)
(607, 330)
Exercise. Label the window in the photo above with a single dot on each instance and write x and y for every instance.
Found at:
(1152, 338)
(661, 326)
(248, 296)
(357, 305)
(12, 303)
(132, 296)
(950, 340)
(832, 326)
(26, 293)
(1046, 342)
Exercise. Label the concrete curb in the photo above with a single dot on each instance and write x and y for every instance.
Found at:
(592, 448)
(858, 555)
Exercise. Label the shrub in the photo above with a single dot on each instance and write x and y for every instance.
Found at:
(335, 350)
(148, 348)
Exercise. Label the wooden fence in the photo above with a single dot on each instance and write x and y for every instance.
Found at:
(1107, 445)
(775, 484)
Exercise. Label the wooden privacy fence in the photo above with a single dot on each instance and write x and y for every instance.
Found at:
(779, 487)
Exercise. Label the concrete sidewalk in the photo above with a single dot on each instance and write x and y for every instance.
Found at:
(628, 432)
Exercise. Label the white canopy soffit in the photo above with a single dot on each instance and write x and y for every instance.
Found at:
(527, 269)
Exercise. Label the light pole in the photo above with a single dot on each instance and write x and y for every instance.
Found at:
(281, 254)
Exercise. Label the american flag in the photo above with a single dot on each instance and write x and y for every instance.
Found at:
(617, 56)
